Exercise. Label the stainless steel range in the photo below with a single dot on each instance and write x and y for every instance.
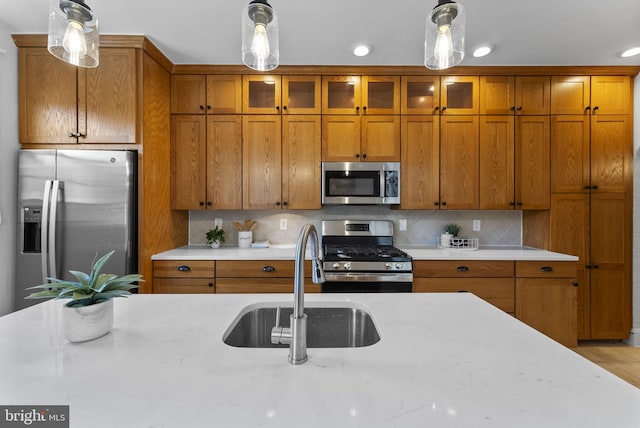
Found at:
(359, 256)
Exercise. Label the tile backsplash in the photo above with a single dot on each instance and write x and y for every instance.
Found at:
(423, 227)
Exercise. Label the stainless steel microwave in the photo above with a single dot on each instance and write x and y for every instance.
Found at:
(360, 183)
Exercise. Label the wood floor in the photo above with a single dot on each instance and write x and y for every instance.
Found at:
(617, 357)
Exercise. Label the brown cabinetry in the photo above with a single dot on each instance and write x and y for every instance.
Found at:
(592, 95)
(546, 299)
(420, 95)
(199, 94)
(492, 281)
(459, 95)
(61, 104)
(183, 276)
(269, 94)
(260, 276)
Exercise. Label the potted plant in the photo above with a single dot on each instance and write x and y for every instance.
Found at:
(89, 314)
(453, 229)
(215, 237)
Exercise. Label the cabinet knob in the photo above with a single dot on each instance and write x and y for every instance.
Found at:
(519, 108)
(444, 108)
(72, 135)
(284, 107)
(594, 187)
(357, 155)
(184, 268)
(277, 203)
(268, 268)
(81, 135)
(546, 269)
(208, 107)
(278, 108)
(437, 108)
(208, 203)
(201, 107)
(587, 108)
(512, 203)
(364, 156)
(462, 268)
(210, 284)
(285, 203)
(513, 108)
(364, 109)
(519, 203)
(444, 203)
(201, 204)
(357, 108)
(575, 283)
(595, 266)
(595, 109)
(436, 203)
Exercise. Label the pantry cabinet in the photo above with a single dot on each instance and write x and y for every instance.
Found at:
(532, 162)
(591, 95)
(459, 95)
(200, 94)
(63, 104)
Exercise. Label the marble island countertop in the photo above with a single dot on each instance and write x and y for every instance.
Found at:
(287, 252)
(444, 360)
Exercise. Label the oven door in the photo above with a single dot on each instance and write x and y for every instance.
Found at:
(353, 282)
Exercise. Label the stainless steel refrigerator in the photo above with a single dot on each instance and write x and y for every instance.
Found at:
(74, 206)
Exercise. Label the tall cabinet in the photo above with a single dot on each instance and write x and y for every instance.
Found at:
(591, 180)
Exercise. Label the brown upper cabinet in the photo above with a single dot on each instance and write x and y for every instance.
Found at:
(420, 95)
(61, 104)
(213, 94)
(267, 94)
(521, 95)
(594, 95)
(357, 95)
(459, 95)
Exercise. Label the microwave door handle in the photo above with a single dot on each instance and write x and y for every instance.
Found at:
(55, 191)
(44, 232)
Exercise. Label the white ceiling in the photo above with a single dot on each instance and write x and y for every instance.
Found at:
(525, 32)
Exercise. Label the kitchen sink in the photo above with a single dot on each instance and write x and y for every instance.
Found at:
(344, 326)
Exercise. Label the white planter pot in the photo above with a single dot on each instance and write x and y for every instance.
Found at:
(215, 244)
(85, 323)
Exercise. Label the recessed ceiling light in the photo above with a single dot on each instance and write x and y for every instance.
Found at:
(630, 52)
(482, 51)
(362, 50)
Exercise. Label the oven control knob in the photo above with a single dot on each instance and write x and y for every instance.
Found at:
(347, 266)
(398, 265)
(336, 265)
(388, 266)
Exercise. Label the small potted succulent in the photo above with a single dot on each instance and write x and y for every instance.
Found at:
(215, 237)
(89, 314)
(451, 231)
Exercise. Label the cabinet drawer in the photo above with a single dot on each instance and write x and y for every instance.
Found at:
(259, 269)
(500, 292)
(184, 269)
(183, 285)
(261, 285)
(546, 269)
(462, 269)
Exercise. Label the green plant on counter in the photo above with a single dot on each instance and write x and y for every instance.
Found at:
(90, 289)
(215, 235)
(453, 229)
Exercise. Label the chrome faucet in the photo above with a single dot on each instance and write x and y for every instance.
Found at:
(296, 334)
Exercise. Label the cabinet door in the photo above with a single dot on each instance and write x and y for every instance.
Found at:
(341, 95)
(301, 162)
(610, 265)
(533, 94)
(381, 95)
(532, 162)
(550, 306)
(224, 162)
(224, 94)
(48, 98)
(380, 141)
(301, 94)
(188, 94)
(611, 95)
(188, 162)
(570, 94)
(497, 179)
(611, 153)
(570, 153)
(497, 95)
(340, 138)
(459, 95)
(183, 286)
(459, 153)
(420, 95)
(420, 184)
(262, 169)
(107, 98)
(261, 94)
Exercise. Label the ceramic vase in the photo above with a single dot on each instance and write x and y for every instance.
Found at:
(214, 244)
(84, 323)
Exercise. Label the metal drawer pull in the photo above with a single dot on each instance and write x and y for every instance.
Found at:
(546, 269)
(184, 268)
(268, 269)
(462, 269)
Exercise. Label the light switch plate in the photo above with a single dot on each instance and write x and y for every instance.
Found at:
(283, 224)
(217, 222)
(476, 225)
(402, 224)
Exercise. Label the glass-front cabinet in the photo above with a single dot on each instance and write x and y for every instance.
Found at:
(361, 95)
(281, 94)
(459, 95)
(420, 95)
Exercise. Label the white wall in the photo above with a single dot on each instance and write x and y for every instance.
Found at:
(8, 165)
(635, 332)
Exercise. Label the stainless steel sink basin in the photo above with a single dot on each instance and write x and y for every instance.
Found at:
(345, 326)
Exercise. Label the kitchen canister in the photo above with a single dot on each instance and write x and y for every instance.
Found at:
(245, 238)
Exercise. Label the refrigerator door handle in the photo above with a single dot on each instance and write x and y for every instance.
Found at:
(56, 189)
(44, 233)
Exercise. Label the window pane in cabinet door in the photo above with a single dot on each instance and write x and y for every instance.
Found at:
(341, 95)
(301, 95)
(420, 95)
(262, 94)
(380, 94)
(459, 95)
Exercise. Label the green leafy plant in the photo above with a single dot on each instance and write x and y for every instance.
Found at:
(90, 289)
(215, 235)
(453, 229)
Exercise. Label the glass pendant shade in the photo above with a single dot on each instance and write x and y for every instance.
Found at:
(73, 33)
(260, 50)
(444, 36)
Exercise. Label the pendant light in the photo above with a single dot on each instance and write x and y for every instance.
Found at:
(260, 49)
(444, 36)
(73, 33)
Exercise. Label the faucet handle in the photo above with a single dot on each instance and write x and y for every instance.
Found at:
(276, 331)
(317, 275)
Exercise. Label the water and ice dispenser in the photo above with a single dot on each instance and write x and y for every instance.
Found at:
(31, 231)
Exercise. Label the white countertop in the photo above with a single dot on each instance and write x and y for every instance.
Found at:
(287, 252)
(444, 360)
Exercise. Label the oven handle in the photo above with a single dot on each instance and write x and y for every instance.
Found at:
(368, 277)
